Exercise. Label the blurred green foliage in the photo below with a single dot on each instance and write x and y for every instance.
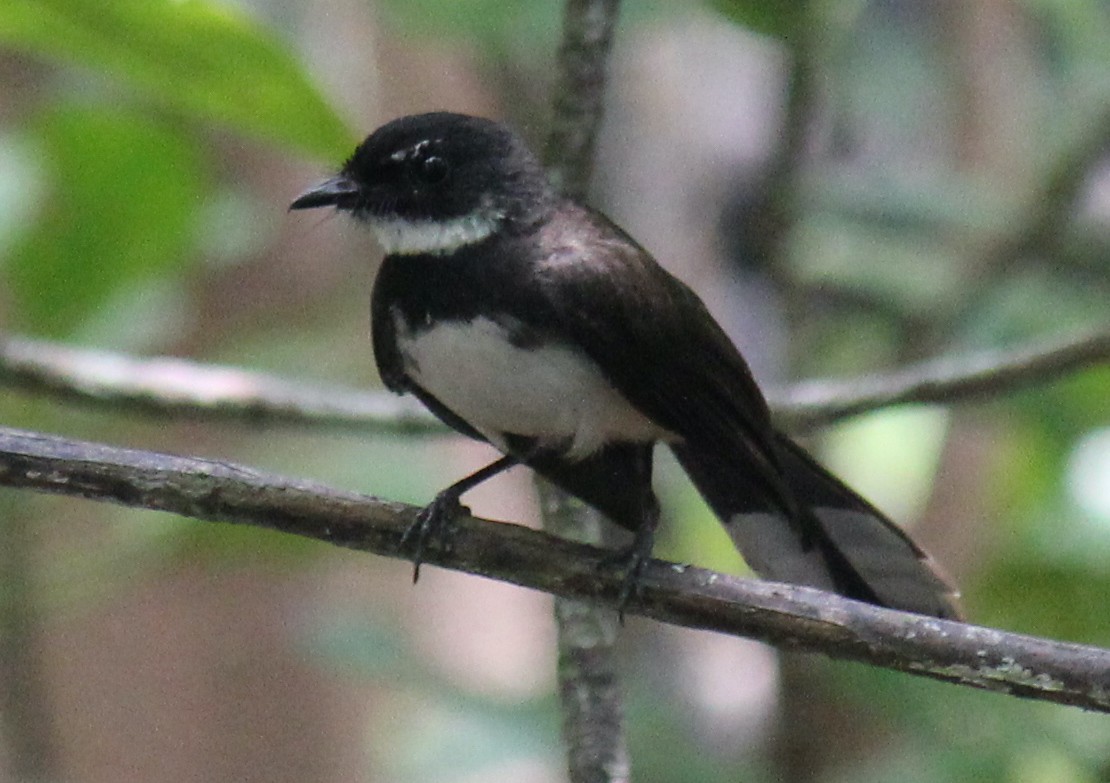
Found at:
(200, 59)
(497, 26)
(120, 199)
(779, 18)
(444, 731)
(115, 194)
(121, 204)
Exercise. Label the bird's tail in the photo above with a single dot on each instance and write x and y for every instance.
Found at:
(837, 540)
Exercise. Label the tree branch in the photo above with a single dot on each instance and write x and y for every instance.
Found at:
(166, 386)
(944, 380)
(579, 92)
(784, 615)
(589, 682)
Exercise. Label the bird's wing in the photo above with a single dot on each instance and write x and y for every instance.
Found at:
(383, 334)
(658, 346)
(655, 342)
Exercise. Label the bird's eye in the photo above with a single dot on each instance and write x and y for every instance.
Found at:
(430, 170)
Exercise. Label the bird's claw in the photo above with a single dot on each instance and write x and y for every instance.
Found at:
(632, 561)
(437, 522)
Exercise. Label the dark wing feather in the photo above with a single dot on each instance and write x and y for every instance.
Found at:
(383, 333)
(656, 343)
(660, 348)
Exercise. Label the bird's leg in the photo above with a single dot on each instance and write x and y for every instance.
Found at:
(437, 519)
(635, 558)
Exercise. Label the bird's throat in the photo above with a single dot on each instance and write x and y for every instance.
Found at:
(399, 236)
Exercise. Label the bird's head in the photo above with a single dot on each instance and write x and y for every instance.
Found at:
(431, 183)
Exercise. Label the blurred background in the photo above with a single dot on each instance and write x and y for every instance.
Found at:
(851, 185)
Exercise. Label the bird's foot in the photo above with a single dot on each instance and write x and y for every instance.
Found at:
(632, 562)
(437, 522)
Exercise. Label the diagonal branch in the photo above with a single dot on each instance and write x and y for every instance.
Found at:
(784, 615)
(177, 387)
(943, 380)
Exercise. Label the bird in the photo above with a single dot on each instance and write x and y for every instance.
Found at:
(528, 320)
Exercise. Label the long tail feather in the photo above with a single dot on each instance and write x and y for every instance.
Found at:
(838, 542)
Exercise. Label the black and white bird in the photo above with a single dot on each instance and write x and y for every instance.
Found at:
(525, 319)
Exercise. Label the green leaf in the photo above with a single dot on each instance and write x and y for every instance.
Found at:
(778, 18)
(192, 56)
(122, 195)
(496, 24)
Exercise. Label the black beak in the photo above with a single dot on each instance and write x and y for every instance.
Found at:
(339, 191)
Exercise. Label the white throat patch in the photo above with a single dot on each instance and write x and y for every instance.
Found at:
(398, 236)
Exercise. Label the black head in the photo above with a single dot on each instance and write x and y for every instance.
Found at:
(435, 168)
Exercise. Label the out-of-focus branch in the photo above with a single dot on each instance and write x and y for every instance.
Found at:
(30, 732)
(167, 386)
(784, 615)
(943, 380)
(1040, 234)
(579, 92)
(1042, 229)
(589, 684)
(177, 387)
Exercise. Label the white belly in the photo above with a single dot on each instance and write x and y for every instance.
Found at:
(550, 392)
